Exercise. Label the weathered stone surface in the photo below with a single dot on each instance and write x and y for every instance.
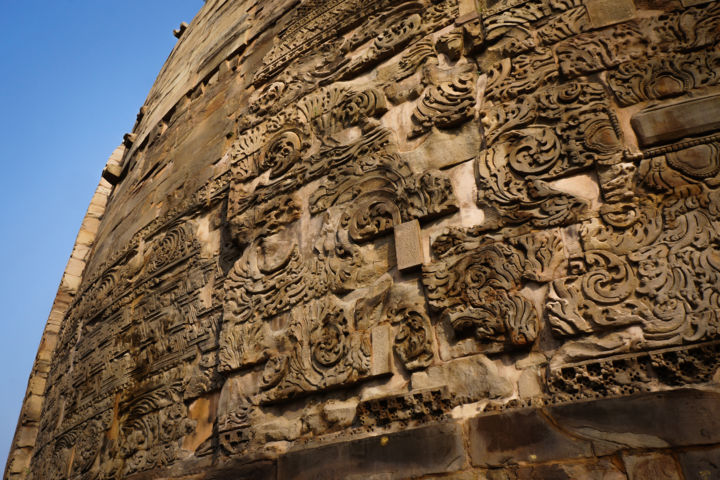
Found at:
(408, 249)
(260, 470)
(700, 464)
(342, 221)
(653, 466)
(665, 123)
(590, 470)
(433, 449)
(642, 421)
(521, 436)
(469, 379)
(607, 12)
(599, 427)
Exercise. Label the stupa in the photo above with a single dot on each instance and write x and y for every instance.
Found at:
(400, 239)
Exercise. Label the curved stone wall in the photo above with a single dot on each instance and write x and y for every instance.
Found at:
(399, 239)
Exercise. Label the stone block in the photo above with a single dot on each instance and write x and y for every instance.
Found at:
(469, 379)
(26, 436)
(260, 470)
(278, 429)
(72, 282)
(643, 421)
(112, 173)
(444, 149)
(436, 448)
(670, 122)
(408, 245)
(700, 464)
(467, 10)
(341, 413)
(691, 3)
(529, 384)
(468, 475)
(381, 362)
(75, 267)
(651, 467)
(591, 470)
(521, 436)
(608, 12)
(33, 407)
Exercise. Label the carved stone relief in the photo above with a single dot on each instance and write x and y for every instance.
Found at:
(558, 163)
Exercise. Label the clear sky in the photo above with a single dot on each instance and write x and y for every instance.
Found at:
(73, 75)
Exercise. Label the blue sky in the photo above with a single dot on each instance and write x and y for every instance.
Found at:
(73, 75)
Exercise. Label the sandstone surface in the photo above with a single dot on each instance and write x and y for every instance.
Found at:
(395, 239)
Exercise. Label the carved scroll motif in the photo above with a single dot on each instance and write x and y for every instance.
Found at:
(663, 77)
(556, 131)
(390, 28)
(591, 269)
(632, 41)
(413, 341)
(666, 283)
(150, 424)
(446, 105)
(521, 74)
(176, 245)
(327, 351)
(478, 294)
(381, 191)
(268, 280)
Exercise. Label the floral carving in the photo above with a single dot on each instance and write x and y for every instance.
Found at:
(413, 338)
(591, 268)
(328, 339)
(326, 351)
(446, 105)
(382, 191)
(665, 76)
(554, 132)
(269, 279)
(477, 292)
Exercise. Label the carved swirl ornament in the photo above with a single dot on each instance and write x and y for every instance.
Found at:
(372, 212)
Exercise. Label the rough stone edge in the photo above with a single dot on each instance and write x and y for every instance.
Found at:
(23, 443)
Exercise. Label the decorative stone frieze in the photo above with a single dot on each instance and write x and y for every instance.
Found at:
(398, 239)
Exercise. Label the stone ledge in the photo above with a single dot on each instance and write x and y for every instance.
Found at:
(675, 418)
(259, 470)
(675, 120)
(435, 448)
(529, 443)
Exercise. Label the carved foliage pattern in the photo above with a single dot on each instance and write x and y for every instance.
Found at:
(623, 287)
(554, 132)
(477, 287)
(147, 341)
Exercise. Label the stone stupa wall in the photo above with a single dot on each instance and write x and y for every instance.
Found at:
(394, 239)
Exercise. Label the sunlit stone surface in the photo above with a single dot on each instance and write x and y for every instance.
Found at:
(386, 239)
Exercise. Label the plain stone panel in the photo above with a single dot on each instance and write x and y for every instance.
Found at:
(669, 122)
(675, 418)
(436, 448)
(608, 12)
(408, 247)
(521, 436)
(588, 470)
(653, 466)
